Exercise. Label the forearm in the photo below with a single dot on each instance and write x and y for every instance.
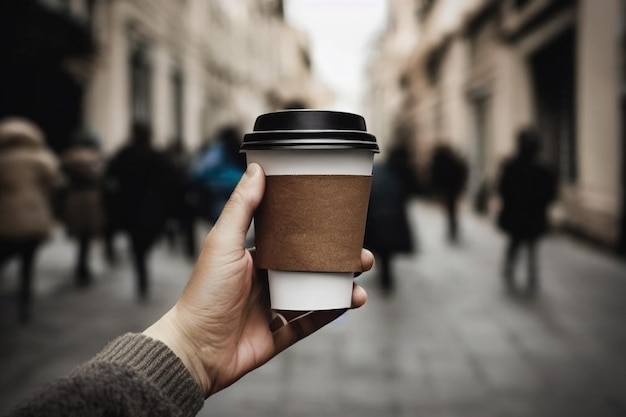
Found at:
(133, 376)
(157, 363)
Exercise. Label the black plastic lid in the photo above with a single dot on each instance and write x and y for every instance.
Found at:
(309, 129)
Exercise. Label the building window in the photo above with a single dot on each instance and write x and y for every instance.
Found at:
(436, 60)
(306, 57)
(272, 8)
(520, 4)
(140, 81)
(91, 14)
(177, 85)
(424, 7)
(553, 72)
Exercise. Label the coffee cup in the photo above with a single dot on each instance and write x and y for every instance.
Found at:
(310, 225)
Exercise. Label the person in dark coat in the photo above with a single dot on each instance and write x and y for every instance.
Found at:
(146, 184)
(83, 207)
(183, 222)
(526, 189)
(387, 230)
(448, 176)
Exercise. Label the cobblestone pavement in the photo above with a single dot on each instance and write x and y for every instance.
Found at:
(448, 342)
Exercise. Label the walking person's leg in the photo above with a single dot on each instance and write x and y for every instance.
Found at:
(27, 254)
(453, 231)
(510, 259)
(109, 245)
(7, 251)
(140, 253)
(190, 218)
(83, 274)
(188, 230)
(386, 277)
(533, 273)
(170, 232)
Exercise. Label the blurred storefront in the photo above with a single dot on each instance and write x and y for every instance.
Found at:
(186, 67)
(482, 69)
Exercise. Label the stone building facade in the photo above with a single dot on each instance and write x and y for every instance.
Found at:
(186, 67)
(483, 69)
(387, 97)
(209, 63)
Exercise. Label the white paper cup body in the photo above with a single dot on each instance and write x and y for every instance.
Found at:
(305, 291)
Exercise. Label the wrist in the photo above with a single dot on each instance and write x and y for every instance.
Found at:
(169, 331)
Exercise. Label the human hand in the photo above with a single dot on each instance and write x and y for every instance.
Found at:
(222, 326)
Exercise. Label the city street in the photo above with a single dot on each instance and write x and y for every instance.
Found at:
(448, 342)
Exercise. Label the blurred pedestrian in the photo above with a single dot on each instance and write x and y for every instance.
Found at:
(178, 155)
(388, 231)
(29, 173)
(401, 158)
(83, 205)
(526, 188)
(220, 329)
(113, 215)
(183, 218)
(216, 170)
(145, 184)
(448, 176)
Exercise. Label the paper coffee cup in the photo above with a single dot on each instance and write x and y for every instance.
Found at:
(309, 228)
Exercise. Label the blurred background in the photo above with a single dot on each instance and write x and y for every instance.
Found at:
(497, 214)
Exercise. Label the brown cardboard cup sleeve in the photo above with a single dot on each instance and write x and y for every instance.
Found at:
(312, 223)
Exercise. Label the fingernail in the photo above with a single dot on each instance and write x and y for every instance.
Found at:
(252, 170)
(278, 322)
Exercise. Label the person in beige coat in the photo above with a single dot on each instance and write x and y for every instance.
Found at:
(83, 206)
(28, 174)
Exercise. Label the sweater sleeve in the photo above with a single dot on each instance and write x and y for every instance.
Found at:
(133, 376)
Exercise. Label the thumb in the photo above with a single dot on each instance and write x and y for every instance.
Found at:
(233, 223)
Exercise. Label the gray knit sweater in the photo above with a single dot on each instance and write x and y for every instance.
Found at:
(133, 376)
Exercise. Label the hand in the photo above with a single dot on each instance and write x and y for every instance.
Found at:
(222, 326)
